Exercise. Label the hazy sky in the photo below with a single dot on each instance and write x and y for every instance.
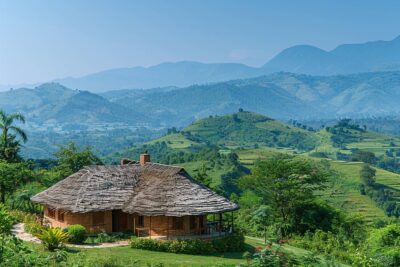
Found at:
(41, 40)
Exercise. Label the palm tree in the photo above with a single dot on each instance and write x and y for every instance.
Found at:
(9, 132)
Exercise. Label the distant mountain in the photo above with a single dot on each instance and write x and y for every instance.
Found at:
(301, 59)
(180, 107)
(345, 59)
(179, 74)
(279, 95)
(53, 102)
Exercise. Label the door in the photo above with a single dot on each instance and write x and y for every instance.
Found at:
(119, 221)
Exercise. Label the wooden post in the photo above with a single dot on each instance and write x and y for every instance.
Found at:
(232, 221)
(150, 228)
(167, 227)
(134, 224)
(220, 223)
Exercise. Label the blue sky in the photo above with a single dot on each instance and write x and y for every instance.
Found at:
(47, 39)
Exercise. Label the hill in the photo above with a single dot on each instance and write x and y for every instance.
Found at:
(238, 130)
(54, 103)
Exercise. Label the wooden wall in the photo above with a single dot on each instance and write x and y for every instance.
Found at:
(84, 219)
(159, 225)
(164, 226)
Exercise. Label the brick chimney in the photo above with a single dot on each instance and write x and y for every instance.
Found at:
(144, 158)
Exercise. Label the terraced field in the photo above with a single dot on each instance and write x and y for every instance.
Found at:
(342, 190)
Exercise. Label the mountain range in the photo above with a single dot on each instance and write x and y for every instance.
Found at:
(280, 95)
(301, 59)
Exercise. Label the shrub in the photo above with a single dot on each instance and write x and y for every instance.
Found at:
(53, 238)
(76, 233)
(193, 246)
(14, 253)
(6, 221)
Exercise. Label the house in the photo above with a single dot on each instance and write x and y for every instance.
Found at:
(147, 198)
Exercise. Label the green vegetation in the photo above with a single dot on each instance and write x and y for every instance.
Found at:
(76, 233)
(248, 130)
(301, 205)
(9, 144)
(53, 238)
(233, 243)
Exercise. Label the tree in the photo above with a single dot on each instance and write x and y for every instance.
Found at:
(202, 177)
(71, 159)
(285, 183)
(12, 176)
(367, 175)
(9, 144)
(364, 156)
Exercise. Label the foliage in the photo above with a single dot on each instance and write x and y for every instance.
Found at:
(6, 221)
(364, 156)
(270, 257)
(14, 253)
(367, 175)
(107, 238)
(287, 185)
(231, 243)
(71, 159)
(21, 199)
(9, 145)
(53, 238)
(76, 233)
(33, 227)
(12, 175)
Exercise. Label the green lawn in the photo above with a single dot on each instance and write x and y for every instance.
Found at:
(135, 257)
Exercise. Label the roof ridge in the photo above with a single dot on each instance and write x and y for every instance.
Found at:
(166, 165)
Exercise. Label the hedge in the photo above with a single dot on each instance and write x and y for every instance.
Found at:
(231, 243)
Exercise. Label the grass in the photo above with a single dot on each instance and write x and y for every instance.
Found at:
(127, 256)
(370, 141)
(214, 173)
(176, 141)
(343, 191)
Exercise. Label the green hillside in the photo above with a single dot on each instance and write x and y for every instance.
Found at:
(249, 130)
(342, 191)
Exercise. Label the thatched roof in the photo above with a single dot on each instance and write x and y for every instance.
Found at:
(152, 189)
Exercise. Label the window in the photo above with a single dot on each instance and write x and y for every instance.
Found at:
(193, 222)
(140, 221)
(51, 213)
(177, 223)
(98, 218)
(60, 215)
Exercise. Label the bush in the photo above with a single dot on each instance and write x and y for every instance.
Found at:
(53, 238)
(76, 233)
(14, 253)
(6, 221)
(193, 246)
